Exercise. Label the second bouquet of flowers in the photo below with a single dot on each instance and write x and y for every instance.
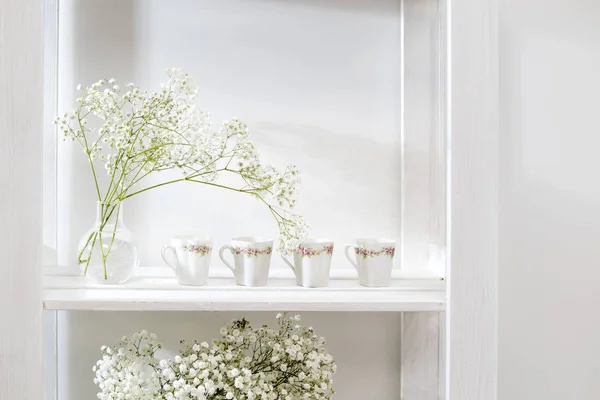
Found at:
(286, 363)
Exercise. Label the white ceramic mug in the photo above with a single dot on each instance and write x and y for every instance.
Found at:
(374, 261)
(312, 262)
(251, 260)
(189, 257)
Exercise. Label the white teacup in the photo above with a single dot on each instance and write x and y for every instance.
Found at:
(374, 261)
(251, 259)
(189, 257)
(312, 262)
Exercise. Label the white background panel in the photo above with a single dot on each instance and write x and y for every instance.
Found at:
(317, 82)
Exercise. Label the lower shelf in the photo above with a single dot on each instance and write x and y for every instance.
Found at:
(156, 289)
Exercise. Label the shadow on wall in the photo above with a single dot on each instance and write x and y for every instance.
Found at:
(361, 165)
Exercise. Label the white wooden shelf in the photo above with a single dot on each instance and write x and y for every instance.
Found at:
(156, 289)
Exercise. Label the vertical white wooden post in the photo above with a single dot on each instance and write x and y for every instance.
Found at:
(472, 284)
(50, 318)
(21, 109)
(420, 359)
(424, 116)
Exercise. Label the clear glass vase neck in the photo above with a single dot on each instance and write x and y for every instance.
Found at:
(109, 215)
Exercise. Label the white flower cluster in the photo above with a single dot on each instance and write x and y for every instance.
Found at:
(287, 363)
(137, 133)
(127, 371)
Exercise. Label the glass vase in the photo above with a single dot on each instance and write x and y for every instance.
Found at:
(107, 253)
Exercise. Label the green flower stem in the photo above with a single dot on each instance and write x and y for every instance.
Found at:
(153, 187)
(89, 258)
(103, 256)
(88, 152)
(94, 175)
(112, 240)
(187, 178)
(104, 220)
(135, 180)
(221, 186)
(84, 247)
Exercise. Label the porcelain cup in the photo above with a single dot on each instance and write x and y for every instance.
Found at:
(189, 257)
(251, 259)
(312, 262)
(373, 260)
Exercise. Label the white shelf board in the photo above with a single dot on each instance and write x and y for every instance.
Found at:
(157, 289)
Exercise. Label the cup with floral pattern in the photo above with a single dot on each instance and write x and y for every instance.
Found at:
(373, 260)
(251, 259)
(312, 262)
(189, 257)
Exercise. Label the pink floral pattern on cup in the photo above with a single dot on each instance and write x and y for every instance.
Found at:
(308, 252)
(200, 249)
(364, 252)
(249, 251)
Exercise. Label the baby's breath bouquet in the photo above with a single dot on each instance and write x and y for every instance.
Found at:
(286, 363)
(135, 133)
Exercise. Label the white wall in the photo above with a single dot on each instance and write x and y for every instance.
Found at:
(322, 93)
(549, 200)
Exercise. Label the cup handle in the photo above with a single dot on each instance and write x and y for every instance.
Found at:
(348, 247)
(284, 258)
(221, 256)
(166, 250)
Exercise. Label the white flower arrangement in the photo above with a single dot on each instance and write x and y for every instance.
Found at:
(287, 363)
(141, 133)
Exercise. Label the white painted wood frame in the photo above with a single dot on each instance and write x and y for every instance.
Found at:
(472, 333)
(471, 345)
(21, 113)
